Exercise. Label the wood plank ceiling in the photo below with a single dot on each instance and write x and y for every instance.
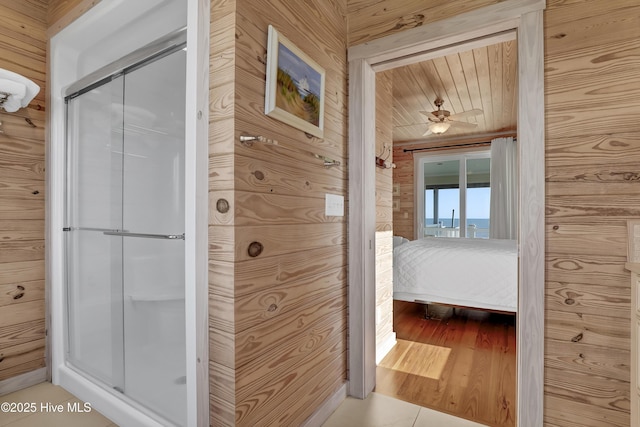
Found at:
(483, 78)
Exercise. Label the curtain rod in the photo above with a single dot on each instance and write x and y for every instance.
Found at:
(469, 144)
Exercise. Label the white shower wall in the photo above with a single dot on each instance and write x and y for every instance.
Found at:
(108, 32)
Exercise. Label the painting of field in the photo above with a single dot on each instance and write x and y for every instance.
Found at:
(298, 90)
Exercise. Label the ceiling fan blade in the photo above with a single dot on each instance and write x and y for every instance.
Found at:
(428, 132)
(429, 114)
(461, 125)
(410, 125)
(470, 113)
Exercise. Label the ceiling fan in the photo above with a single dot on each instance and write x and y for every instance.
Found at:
(441, 120)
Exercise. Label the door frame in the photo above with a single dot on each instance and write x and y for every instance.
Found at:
(464, 31)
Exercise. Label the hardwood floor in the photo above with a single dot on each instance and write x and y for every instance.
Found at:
(461, 363)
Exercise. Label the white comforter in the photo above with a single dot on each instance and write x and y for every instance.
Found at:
(480, 273)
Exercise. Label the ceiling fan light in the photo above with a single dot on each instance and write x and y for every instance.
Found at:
(440, 127)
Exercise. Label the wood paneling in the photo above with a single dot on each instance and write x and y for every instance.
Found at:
(22, 335)
(277, 320)
(25, 291)
(372, 19)
(62, 12)
(591, 155)
(482, 78)
(586, 298)
(591, 173)
(403, 180)
(222, 374)
(23, 43)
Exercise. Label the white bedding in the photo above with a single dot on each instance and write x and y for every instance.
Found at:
(481, 273)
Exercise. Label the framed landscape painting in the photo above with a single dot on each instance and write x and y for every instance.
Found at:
(295, 86)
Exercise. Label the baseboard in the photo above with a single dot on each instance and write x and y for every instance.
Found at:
(327, 408)
(23, 381)
(383, 349)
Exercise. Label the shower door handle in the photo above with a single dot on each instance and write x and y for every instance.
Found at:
(91, 229)
(145, 235)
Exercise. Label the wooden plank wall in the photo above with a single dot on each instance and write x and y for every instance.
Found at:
(373, 19)
(222, 373)
(592, 62)
(24, 30)
(278, 320)
(22, 153)
(59, 9)
(592, 51)
(403, 218)
(384, 216)
(62, 12)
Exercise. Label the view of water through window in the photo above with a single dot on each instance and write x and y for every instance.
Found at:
(448, 209)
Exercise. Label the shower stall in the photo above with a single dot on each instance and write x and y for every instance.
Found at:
(127, 211)
(125, 230)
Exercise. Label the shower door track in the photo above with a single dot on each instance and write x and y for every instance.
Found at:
(156, 50)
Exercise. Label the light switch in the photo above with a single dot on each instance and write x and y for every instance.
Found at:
(334, 205)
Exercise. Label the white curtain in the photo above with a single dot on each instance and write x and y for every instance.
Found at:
(503, 221)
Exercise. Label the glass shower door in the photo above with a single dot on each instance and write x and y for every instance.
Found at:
(153, 258)
(125, 241)
(94, 260)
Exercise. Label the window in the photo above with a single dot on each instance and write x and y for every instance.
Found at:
(442, 206)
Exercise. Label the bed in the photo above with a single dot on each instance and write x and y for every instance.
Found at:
(475, 273)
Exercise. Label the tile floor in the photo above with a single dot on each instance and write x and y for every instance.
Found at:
(379, 410)
(47, 394)
(375, 411)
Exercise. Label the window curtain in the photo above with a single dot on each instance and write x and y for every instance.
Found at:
(503, 222)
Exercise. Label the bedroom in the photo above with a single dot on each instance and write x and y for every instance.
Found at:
(483, 78)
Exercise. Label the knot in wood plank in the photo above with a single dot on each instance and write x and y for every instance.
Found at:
(20, 292)
(255, 249)
(222, 206)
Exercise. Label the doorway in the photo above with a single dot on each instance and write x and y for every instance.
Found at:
(415, 45)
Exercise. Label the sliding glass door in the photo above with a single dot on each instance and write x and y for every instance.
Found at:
(125, 233)
(453, 194)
